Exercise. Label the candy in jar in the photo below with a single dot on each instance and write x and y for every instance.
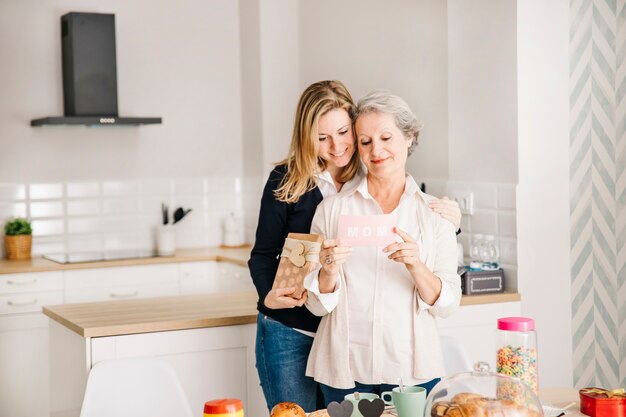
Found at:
(517, 352)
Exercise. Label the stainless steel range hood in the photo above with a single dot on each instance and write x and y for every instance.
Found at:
(89, 74)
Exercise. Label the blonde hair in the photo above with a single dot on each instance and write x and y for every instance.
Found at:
(303, 161)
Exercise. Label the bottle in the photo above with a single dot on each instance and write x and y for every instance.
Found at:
(232, 227)
(490, 254)
(516, 343)
(475, 250)
(225, 407)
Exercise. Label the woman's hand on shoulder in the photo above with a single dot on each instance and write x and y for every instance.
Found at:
(448, 209)
(281, 298)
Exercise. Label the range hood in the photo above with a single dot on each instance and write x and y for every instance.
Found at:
(89, 74)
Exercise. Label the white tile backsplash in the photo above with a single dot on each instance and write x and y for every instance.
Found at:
(82, 189)
(46, 209)
(115, 215)
(84, 225)
(485, 195)
(45, 191)
(506, 196)
(12, 192)
(83, 207)
(8, 210)
(47, 227)
(508, 251)
(120, 205)
(485, 222)
(507, 225)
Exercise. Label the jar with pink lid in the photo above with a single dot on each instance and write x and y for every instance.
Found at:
(516, 344)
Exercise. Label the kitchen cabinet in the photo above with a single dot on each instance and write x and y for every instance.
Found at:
(24, 330)
(105, 284)
(475, 327)
(24, 375)
(208, 338)
(216, 362)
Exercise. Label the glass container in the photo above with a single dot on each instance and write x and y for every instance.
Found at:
(483, 393)
(516, 344)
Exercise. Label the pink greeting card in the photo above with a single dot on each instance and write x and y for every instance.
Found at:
(373, 230)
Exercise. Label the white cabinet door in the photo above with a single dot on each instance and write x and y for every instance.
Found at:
(121, 276)
(24, 370)
(475, 327)
(213, 277)
(211, 363)
(234, 277)
(120, 283)
(29, 282)
(199, 277)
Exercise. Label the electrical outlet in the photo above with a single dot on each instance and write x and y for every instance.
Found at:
(465, 200)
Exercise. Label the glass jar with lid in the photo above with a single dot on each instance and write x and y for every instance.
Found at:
(481, 393)
(516, 344)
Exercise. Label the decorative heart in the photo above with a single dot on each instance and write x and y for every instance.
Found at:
(373, 408)
(336, 409)
(296, 256)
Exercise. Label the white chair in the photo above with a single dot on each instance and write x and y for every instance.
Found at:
(135, 387)
(455, 356)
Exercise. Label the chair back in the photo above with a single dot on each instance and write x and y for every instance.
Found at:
(455, 357)
(134, 387)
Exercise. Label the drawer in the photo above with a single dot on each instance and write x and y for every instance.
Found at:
(29, 302)
(122, 292)
(121, 276)
(31, 282)
(233, 277)
(198, 278)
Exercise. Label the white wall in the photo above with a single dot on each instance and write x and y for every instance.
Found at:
(400, 46)
(279, 77)
(179, 60)
(543, 191)
(482, 90)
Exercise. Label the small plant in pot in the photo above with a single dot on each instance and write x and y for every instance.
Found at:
(18, 238)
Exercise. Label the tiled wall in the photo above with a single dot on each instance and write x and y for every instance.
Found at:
(494, 214)
(114, 215)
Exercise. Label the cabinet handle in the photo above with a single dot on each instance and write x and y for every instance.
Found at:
(124, 294)
(22, 303)
(29, 282)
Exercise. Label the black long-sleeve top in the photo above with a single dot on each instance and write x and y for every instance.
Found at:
(276, 220)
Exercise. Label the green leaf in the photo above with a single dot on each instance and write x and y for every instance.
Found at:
(17, 226)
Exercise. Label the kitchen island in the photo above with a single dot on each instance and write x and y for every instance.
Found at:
(209, 339)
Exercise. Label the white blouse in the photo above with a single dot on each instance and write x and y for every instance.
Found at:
(376, 328)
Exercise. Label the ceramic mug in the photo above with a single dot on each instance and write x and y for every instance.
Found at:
(408, 403)
(355, 402)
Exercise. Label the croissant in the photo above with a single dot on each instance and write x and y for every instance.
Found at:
(474, 405)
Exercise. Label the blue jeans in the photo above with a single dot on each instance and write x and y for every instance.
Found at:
(281, 356)
(336, 394)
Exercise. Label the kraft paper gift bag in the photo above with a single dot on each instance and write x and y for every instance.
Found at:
(300, 256)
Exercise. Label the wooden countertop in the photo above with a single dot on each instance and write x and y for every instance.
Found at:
(39, 264)
(113, 318)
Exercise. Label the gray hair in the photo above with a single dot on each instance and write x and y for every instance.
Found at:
(382, 101)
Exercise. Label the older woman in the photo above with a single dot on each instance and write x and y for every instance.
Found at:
(379, 303)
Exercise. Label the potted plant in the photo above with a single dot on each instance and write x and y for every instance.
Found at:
(18, 238)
